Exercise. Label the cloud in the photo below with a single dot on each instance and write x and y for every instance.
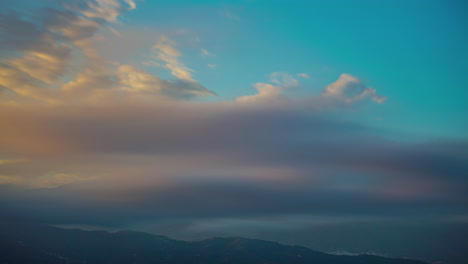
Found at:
(49, 180)
(166, 52)
(90, 85)
(107, 10)
(166, 55)
(139, 81)
(208, 136)
(347, 88)
(44, 64)
(351, 89)
(284, 80)
(48, 56)
(131, 4)
(303, 75)
(22, 85)
(49, 66)
(205, 52)
(16, 33)
(271, 92)
(11, 161)
(266, 92)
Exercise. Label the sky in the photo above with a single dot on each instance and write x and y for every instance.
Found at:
(337, 125)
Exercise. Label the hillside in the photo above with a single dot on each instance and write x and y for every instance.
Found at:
(44, 244)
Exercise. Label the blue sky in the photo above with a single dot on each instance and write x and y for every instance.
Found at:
(411, 51)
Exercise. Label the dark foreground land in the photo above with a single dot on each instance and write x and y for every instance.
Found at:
(44, 244)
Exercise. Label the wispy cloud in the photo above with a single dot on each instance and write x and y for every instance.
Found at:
(49, 67)
(303, 75)
(166, 52)
(205, 52)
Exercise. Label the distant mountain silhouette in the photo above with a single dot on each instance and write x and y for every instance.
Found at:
(44, 244)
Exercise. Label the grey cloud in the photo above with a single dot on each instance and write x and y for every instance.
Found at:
(73, 26)
(16, 33)
(177, 168)
(197, 142)
(292, 137)
(187, 89)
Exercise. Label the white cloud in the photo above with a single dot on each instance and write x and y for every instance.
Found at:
(351, 89)
(269, 92)
(131, 4)
(303, 75)
(266, 92)
(167, 55)
(138, 81)
(284, 80)
(347, 88)
(107, 10)
(205, 52)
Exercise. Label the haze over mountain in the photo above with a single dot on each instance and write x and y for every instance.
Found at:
(42, 244)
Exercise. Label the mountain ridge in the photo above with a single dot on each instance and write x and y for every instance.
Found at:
(41, 244)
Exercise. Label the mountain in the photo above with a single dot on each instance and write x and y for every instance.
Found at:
(44, 244)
